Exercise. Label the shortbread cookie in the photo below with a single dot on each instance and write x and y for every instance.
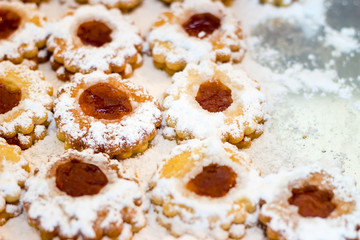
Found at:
(122, 4)
(214, 100)
(279, 3)
(94, 38)
(25, 104)
(311, 203)
(82, 195)
(22, 31)
(226, 2)
(193, 31)
(107, 114)
(202, 190)
(13, 173)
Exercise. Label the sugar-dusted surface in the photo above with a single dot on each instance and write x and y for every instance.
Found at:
(312, 110)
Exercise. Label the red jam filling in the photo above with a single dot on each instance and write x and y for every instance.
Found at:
(94, 33)
(77, 179)
(214, 181)
(201, 25)
(8, 98)
(103, 101)
(214, 96)
(9, 22)
(312, 202)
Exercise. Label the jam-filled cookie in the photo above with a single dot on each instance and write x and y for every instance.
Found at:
(122, 4)
(279, 3)
(107, 114)
(226, 2)
(25, 104)
(311, 203)
(224, 98)
(94, 38)
(22, 31)
(202, 190)
(82, 195)
(193, 31)
(13, 173)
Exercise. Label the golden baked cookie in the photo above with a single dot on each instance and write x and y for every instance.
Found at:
(310, 203)
(225, 99)
(82, 195)
(107, 114)
(226, 2)
(94, 38)
(25, 104)
(13, 173)
(202, 189)
(22, 31)
(278, 3)
(188, 33)
(122, 4)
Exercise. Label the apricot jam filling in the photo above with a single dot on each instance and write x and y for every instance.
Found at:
(94, 33)
(9, 98)
(312, 202)
(214, 181)
(201, 25)
(77, 178)
(214, 96)
(9, 22)
(103, 101)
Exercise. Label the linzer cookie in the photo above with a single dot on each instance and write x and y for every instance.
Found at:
(94, 38)
(311, 203)
(25, 104)
(202, 190)
(122, 4)
(107, 114)
(13, 173)
(193, 31)
(224, 98)
(22, 32)
(82, 195)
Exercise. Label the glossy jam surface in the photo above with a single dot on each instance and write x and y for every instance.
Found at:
(312, 202)
(214, 96)
(201, 25)
(9, 22)
(77, 178)
(214, 181)
(103, 101)
(8, 98)
(94, 33)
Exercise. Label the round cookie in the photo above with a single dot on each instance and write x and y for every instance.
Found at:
(203, 189)
(310, 203)
(82, 195)
(25, 104)
(13, 173)
(107, 114)
(94, 38)
(22, 32)
(226, 99)
(193, 31)
(124, 5)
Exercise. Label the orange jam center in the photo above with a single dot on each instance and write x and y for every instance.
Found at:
(8, 98)
(214, 181)
(103, 101)
(312, 202)
(214, 96)
(77, 179)
(94, 33)
(9, 22)
(201, 25)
